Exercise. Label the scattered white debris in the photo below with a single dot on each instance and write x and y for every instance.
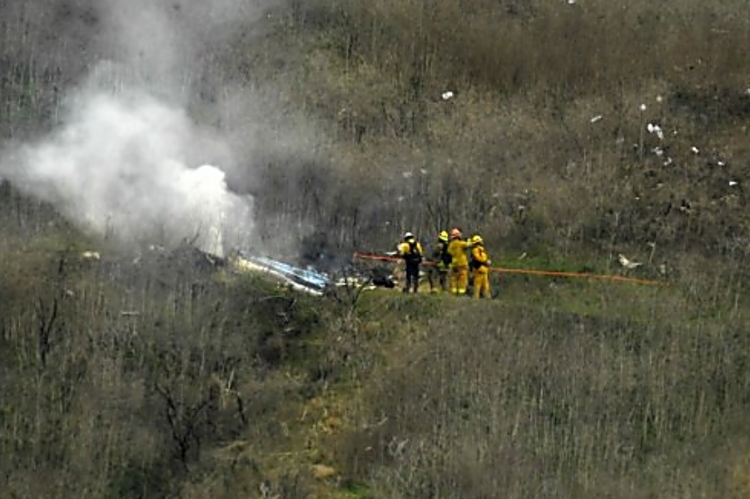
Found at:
(720, 163)
(658, 151)
(667, 161)
(643, 107)
(522, 256)
(447, 95)
(596, 118)
(571, 2)
(407, 174)
(659, 98)
(732, 183)
(628, 264)
(423, 171)
(355, 283)
(663, 269)
(655, 129)
(747, 91)
(348, 281)
(91, 255)
(695, 150)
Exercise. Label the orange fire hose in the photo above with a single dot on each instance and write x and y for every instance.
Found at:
(550, 273)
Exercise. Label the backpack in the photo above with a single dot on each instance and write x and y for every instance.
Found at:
(445, 257)
(414, 255)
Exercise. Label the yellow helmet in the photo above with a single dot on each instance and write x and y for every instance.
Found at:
(443, 236)
(477, 239)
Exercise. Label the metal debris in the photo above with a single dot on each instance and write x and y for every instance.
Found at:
(627, 263)
(306, 280)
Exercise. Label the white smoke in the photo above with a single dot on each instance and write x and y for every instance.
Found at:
(126, 161)
(119, 166)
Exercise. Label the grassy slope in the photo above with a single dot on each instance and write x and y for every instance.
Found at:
(580, 387)
(515, 154)
(626, 391)
(559, 389)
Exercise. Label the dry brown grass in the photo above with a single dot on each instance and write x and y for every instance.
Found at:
(561, 390)
(533, 403)
(528, 80)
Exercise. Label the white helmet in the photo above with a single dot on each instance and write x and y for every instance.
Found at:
(408, 235)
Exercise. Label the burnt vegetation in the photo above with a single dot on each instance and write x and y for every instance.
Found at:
(161, 373)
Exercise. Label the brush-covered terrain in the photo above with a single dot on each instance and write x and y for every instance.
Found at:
(573, 132)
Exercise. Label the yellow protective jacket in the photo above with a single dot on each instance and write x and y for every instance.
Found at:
(411, 253)
(457, 249)
(441, 256)
(480, 261)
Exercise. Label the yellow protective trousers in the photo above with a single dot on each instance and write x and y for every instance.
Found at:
(459, 279)
(481, 284)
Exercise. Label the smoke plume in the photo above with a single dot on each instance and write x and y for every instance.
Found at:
(120, 166)
(126, 160)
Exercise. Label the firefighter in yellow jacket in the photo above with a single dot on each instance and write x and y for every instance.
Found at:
(459, 273)
(411, 251)
(441, 263)
(480, 267)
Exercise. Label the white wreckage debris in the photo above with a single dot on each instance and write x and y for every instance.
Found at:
(91, 255)
(655, 129)
(627, 263)
(355, 283)
(306, 280)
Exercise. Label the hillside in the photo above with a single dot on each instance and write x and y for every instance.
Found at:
(169, 377)
(564, 132)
